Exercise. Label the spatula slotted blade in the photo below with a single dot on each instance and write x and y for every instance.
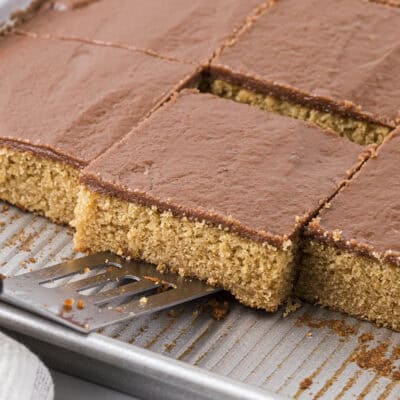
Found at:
(93, 292)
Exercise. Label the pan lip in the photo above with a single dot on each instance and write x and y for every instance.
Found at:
(192, 380)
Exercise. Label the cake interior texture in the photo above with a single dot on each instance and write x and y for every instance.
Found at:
(38, 184)
(358, 131)
(356, 284)
(258, 274)
(216, 190)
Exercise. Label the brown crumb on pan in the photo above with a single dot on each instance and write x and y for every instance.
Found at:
(80, 304)
(220, 310)
(396, 353)
(338, 326)
(172, 314)
(292, 305)
(366, 337)
(151, 279)
(396, 375)
(164, 284)
(68, 304)
(2, 277)
(374, 359)
(305, 383)
(378, 359)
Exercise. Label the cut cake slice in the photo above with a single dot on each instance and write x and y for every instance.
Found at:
(216, 190)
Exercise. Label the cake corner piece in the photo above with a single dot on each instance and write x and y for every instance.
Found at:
(58, 116)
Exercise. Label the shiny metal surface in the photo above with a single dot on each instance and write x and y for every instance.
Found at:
(104, 288)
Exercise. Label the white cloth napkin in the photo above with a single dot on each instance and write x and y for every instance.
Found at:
(22, 374)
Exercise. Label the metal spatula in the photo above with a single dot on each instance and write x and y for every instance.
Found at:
(92, 292)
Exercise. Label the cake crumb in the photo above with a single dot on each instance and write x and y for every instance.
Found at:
(396, 375)
(172, 314)
(169, 347)
(365, 337)
(378, 359)
(164, 284)
(5, 208)
(292, 305)
(86, 270)
(80, 305)
(143, 300)
(396, 353)
(68, 304)
(151, 279)
(305, 383)
(219, 309)
(374, 359)
(162, 268)
(338, 326)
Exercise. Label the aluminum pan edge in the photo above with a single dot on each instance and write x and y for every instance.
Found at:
(155, 372)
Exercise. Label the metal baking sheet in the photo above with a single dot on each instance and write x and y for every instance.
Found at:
(188, 354)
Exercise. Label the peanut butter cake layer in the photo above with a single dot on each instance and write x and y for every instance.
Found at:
(213, 189)
(352, 249)
(186, 30)
(330, 62)
(61, 105)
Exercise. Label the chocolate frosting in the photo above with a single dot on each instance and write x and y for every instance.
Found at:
(186, 30)
(364, 216)
(339, 54)
(73, 101)
(388, 2)
(260, 174)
